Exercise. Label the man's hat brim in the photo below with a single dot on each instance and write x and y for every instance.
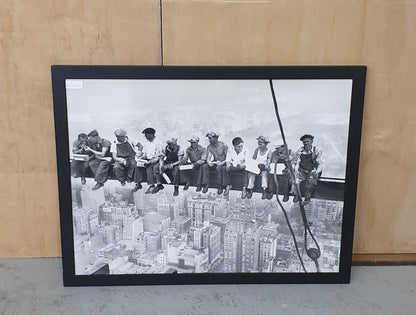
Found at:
(306, 137)
(149, 131)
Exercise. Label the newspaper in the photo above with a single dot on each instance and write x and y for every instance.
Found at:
(279, 168)
(140, 162)
(81, 157)
(252, 166)
(186, 167)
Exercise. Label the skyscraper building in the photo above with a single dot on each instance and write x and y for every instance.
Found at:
(181, 224)
(243, 209)
(81, 220)
(94, 222)
(198, 237)
(232, 249)
(203, 210)
(153, 242)
(132, 227)
(250, 250)
(268, 247)
(214, 243)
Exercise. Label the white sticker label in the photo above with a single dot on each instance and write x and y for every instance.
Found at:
(74, 84)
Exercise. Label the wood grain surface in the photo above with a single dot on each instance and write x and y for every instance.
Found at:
(379, 34)
(36, 34)
(33, 36)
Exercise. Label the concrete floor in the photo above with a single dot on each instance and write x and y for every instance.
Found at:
(34, 286)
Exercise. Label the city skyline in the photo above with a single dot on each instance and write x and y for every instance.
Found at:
(133, 233)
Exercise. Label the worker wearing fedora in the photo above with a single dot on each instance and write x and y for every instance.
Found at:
(151, 154)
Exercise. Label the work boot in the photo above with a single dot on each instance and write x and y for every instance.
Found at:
(220, 190)
(150, 189)
(123, 183)
(97, 186)
(187, 186)
(176, 191)
(227, 190)
(157, 188)
(205, 190)
(269, 194)
(198, 188)
(244, 193)
(249, 193)
(83, 181)
(264, 194)
(307, 200)
(295, 199)
(137, 187)
(129, 179)
(286, 198)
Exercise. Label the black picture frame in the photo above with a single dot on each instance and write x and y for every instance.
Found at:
(346, 190)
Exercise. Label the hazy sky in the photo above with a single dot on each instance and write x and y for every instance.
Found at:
(115, 99)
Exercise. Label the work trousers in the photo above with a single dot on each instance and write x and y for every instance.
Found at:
(100, 169)
(78, 168)
(219, 170)
(124, 172)
(304, 176)
(232, 169)
(264, 179)
(152, 173)
(174, 174)
(202, 175)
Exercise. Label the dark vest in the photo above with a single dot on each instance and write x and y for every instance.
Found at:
(172, 156)
(125, 150)
(307, 161)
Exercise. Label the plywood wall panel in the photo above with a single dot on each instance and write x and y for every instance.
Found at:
(262, 32)
(386, 203)
(380, 34)
(33, 36)
(37, 34)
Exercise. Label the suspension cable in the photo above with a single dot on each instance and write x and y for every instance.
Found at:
(313, 253)
(287, 218)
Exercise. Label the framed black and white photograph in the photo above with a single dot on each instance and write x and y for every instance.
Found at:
(196, 175)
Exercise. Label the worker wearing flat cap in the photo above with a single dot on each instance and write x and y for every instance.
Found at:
(281, 156)
(151, 155)
(101, 159)
(262, 155)
(216, 155)
(172, 157)
(308, 166)
(196, 155)
(124, 151)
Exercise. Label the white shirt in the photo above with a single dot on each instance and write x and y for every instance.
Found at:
(262, 158)
(152, 149)
(237, 158)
